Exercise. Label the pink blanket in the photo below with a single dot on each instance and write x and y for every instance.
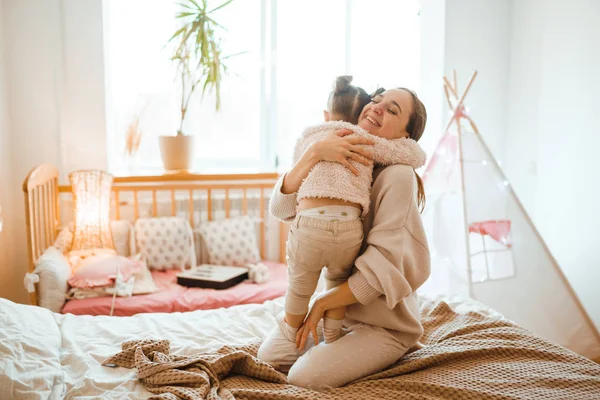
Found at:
(172, 298)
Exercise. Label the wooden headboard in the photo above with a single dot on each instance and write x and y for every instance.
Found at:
(199, 197)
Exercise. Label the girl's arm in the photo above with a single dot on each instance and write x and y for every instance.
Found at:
(334, 147)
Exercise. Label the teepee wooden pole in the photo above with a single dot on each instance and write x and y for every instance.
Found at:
(462, 99)
(452, 89)
(464, 200)
(447, 96)
(455, 80)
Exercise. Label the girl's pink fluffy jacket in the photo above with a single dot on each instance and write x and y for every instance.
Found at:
(333, 180)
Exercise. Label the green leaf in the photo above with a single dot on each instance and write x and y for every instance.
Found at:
(177, 33)
(196, 4)
(221, 6)
(182, 4)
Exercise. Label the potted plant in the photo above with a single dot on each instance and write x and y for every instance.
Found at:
(197, 53)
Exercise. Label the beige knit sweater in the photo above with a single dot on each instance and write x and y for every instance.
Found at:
(394, 260)
(333, 180)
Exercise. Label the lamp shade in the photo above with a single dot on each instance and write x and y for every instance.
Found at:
(91, 205)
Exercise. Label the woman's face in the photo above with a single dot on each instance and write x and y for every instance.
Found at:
(387, 114)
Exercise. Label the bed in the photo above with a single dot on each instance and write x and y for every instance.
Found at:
(199, 199)
(471, 352)
(172, 297)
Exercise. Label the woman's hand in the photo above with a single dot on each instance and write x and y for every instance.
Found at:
(316, 313)
(338, 148)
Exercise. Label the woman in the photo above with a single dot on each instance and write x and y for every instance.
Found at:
(382, 318)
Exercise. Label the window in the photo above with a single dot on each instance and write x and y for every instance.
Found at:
(292, 52)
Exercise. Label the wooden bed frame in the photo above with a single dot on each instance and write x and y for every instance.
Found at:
(43, 196)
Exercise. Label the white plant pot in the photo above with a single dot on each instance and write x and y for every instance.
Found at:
(176, 152)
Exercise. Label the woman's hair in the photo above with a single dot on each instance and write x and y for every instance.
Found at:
(346, 101)
(415, 128)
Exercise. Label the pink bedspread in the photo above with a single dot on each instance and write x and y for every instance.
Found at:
(173, 298)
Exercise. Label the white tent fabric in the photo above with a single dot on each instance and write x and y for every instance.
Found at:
(483, 243)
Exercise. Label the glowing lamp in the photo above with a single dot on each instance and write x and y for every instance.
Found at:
(91, 206)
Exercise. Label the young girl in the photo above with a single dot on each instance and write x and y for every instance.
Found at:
(332, 200)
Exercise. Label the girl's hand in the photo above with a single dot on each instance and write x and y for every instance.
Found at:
(338, 148)
(309, 326)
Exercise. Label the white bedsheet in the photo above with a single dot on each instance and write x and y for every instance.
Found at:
(44, 355)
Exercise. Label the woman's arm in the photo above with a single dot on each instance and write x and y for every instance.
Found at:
(339, 296)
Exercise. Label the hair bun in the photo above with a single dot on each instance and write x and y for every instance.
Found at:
(342, 83)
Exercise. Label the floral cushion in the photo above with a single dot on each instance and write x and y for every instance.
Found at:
(231, 241)
(165, 242)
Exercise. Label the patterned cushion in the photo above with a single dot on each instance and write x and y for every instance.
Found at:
(122, 232)
(231, 241)
(165, 242)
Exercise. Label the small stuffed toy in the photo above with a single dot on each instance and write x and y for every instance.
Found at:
(258, 273)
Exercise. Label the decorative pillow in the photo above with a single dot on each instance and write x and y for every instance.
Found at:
(102, 270)
(123, 237)
(166, 242)
(52, 271)
(143, 283)
(231, 241)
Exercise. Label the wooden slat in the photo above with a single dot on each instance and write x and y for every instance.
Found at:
(56, 197)
(30, 241)
(191, 207)
(185, 177)
(47, 214)
(53, 211)
(183, 187)
(227, 206)
(117, 206)
(209, 205)
(136, 211)
(245, 202)
(36, 219)
(173, 205)
(154, 206)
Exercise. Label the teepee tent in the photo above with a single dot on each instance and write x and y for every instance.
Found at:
(484, 245)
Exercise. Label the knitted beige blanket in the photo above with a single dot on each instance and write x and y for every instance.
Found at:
(467, 356)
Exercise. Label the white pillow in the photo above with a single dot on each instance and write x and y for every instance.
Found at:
(122, 232)
(53, 271)
(165, 242)
(231, 241)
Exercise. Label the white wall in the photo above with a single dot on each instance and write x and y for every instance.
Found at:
(554, 135)
(53, 53)
(476, 39)
(7, 236)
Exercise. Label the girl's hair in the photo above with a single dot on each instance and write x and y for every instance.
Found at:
(415, 128)
(347, 101)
